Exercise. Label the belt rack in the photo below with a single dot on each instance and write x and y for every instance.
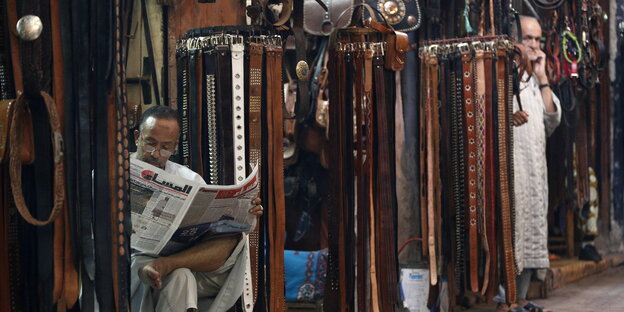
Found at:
(471, 122)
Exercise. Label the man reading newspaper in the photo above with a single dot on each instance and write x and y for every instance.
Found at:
(207, 276)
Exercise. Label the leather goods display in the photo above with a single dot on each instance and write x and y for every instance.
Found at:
(362, 214)
(238, 70)
(480, 183)
(403, 15)
(320, 21)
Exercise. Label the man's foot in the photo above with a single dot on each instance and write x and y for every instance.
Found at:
(153, 273)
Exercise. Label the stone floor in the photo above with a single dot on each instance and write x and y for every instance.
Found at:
(602, 292)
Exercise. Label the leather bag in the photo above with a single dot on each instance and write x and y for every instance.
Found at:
(403, 15)
(318, 22)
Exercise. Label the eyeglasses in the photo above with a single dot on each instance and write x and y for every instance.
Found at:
(162, 151)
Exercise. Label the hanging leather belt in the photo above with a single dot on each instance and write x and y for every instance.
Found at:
(255, 143)
(190, 113)
(480, 106)
(345, 225)
(490, 169)
(361, 172)
(209, 112)
(225, 150)
(238, 112)
(504, 181)
(333, 290)
(275, 182)
(471, 148)
(385, 203)
(182, 61)
(458, 166)
(199, 112)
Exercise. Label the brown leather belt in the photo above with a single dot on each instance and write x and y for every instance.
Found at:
(275, 181)
(508, 262)
(480, 128)
(471, 148)
(255, 142)
(490, 169)
(385, 193)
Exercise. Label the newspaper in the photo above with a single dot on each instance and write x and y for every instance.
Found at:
(169, 213)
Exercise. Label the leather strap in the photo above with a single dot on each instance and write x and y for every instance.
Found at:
(225, 149)
(471, 149)
(238, 109)
(275, 182)
(15, 165)
(490, 169)
(199, 149)
(431, 95)
(385, 204)
(182, 61)
(508, 263)
(480, 129)
(189, 114)
(255, 143)
(211, 159)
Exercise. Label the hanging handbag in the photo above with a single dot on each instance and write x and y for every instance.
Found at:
(318, 22)
(403, 15)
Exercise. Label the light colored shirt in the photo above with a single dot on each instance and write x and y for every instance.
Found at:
(531, 176)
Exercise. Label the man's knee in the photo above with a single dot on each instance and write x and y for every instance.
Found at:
(179, 277)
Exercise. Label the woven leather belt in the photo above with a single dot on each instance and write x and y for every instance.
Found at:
(469, 111)
(275, 181)
(238, 111)
(480, 129)
(504, 181)
(225, 150)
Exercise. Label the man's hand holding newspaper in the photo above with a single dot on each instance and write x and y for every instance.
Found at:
(169, 213)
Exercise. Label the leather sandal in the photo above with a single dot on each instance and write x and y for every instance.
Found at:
(534, 307)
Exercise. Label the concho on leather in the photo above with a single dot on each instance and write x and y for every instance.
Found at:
(27, 147)
(403, 15)
(318, 22)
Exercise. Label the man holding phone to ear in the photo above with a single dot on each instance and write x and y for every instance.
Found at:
(540, 115)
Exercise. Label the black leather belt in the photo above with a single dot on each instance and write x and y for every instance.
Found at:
(182, 61)
(225, 149)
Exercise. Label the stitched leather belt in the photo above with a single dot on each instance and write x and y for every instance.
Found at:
(471, 172)
(503, 169)
(275, 182)
(199, 111)
(225, 150)
(238, 112)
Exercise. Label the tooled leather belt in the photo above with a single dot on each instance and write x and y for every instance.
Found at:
(275, 181)
(225, 150)
(504, 181)
(190, 112)
(255, 144)
(471, 163)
